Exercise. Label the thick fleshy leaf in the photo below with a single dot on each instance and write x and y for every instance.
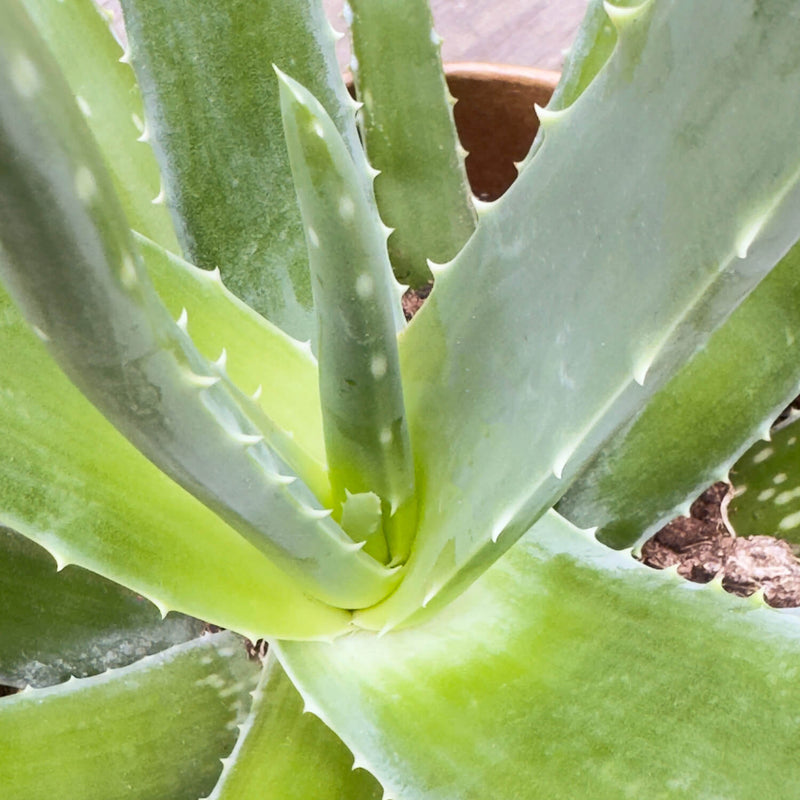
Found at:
(109, 98)
(592, 47)
(219, 140)
(703, 419)
(766, 482)
(569, 670)
(73, 622)
(637, 227)
(256, 354)
(358, 312)
(286, 754)
(408, 129)
(71, 482)
(69, 260)
(156, 729)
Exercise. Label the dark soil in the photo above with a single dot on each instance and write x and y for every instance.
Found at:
(703, 548)
(413, 299)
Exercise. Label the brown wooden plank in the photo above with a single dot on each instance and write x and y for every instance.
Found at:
(532, 33)
(528, 32)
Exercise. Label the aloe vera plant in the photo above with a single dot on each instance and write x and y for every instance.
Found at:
(212, 407)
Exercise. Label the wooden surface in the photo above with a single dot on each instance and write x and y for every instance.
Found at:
(532, 33)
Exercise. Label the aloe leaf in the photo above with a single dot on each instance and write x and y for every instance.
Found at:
(587, 677)
(286, 753)
(72, 622)
(155, 729)
(358, 309)
(551, 321)
(240, 173)
(409, 134)
(592, 47)
(70, 262)
(766, 480)
(255, 353)
(107, 94)
(624, 491)
(72, 483)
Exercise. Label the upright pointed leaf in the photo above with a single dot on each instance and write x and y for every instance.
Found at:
(220, 141)
(284, 752)
(568, 670)
(408, 129)
(72, 622)
(156, 729)
(358, 309)
(551, 320)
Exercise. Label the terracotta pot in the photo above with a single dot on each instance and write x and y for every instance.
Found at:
(495, 118)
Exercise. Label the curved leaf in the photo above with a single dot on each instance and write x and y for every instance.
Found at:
(256, 353)
(286, 754)
(569, 670)
(73, 622)
(69, 481)
(69, 261)
(701, 421)
(156, 729)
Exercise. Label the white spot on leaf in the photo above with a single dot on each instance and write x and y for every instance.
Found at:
(784, 497)
(763, 455)
(789, 521)
(85, 184)
(347, 208)
(25, 76)
(127, 272)
(378, 366)
(364, 285)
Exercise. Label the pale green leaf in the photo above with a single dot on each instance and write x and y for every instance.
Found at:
(409, 135)
(278, 372)
(580, 284)
(106, 92)
(69, 261)
(569, 670)
(701, 421)
(286, 754)
(70, 481)
(156, 729)
(72, 622)
(211, 101)
(593, 44)
(358, 311)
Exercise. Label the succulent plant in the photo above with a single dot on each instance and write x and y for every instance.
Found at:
(213, 408)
